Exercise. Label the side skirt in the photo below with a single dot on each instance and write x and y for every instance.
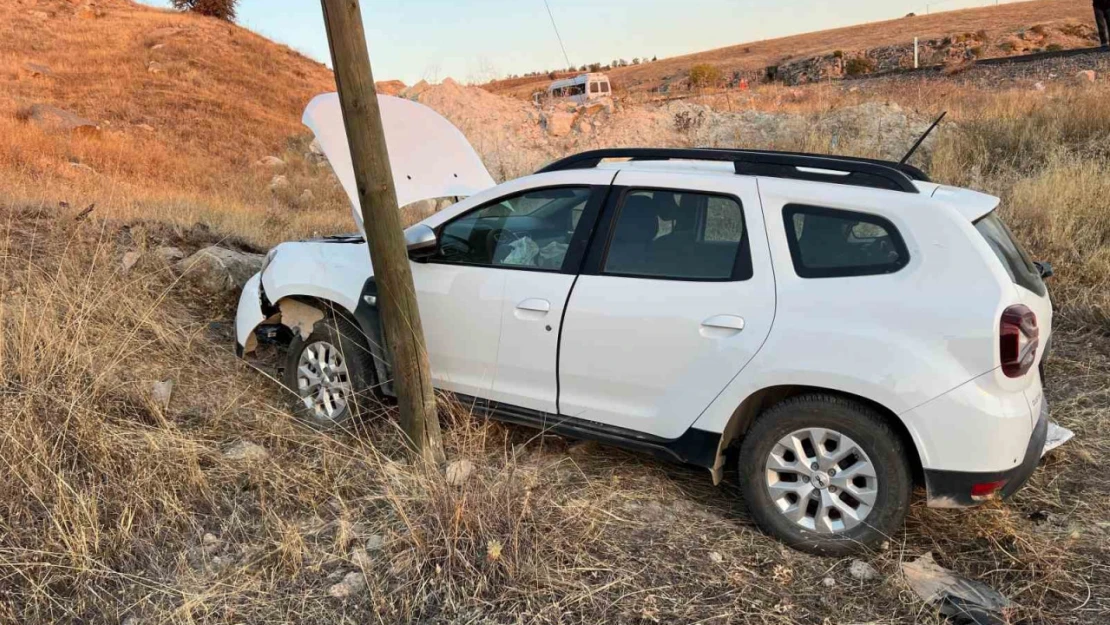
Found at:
(696, 447)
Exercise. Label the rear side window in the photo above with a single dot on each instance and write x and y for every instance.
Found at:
(677, 235)
(1017, 263)
(829, 243)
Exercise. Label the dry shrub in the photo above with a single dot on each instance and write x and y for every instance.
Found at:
(705, 75)
(220, 9)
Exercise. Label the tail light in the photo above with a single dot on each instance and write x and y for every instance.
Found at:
(1018, 340)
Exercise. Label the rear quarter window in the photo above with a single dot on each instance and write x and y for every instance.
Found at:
(1013, 257)
(832, 243)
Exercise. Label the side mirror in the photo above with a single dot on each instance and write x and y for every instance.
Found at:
(421, 241)
(1045, 269)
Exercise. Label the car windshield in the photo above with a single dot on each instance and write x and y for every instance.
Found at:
(1014, 258)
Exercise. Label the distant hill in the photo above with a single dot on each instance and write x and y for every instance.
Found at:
(996, 21)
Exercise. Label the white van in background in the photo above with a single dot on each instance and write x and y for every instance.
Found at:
(580, 89)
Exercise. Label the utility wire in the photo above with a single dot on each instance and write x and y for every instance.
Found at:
(557, 35)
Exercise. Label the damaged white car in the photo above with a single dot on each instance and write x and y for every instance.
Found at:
(839, 328)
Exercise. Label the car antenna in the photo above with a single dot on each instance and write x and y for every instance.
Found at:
(921, 140)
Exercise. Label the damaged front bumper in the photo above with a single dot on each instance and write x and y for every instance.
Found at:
(959, 489)
(249, 316)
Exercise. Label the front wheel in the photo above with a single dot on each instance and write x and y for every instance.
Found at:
(329, 372)
(825, 475)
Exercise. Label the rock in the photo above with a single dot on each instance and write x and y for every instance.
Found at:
(35, 70)
(361, 559)
(862, 571)
(1086, 76)
(145, 127)
(272, 162)
(210, 539)
(306, 198)
(155, 67)
(390, 87)
(42, 15)
(316, 148)
(88, 12)
(58, 119)
(246, 451)
(131, 620)
(558, 123)
(828, 582)
(129, 260)
(375, 542)
(170, 253)
(1039, 86)
(83, 168)
(353, 583)
(279, 183)
(459, 471)
(218, 270)
(160, 393)
(157, 46)
(715, 557)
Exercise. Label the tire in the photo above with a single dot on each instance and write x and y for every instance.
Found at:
(836, 523)
(337, 348)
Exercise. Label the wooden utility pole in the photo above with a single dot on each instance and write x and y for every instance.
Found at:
(381, 220)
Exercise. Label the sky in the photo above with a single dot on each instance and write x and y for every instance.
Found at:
(477, 40)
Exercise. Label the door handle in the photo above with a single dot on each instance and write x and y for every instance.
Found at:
(535, 305)
(532, 309)
(722, 326)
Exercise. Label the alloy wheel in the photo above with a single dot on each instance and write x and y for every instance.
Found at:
(821, 480)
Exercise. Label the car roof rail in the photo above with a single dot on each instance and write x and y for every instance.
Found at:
(852, 171)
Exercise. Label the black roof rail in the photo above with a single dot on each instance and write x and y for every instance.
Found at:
(830, 169)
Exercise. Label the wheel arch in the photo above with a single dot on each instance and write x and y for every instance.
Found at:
(301, 312)
(760, 401)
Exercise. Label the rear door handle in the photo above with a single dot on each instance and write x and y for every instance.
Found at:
(532, 309)
(722, 326)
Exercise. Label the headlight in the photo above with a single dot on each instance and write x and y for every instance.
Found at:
(269, 259)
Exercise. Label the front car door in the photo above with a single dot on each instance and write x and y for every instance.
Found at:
(492, 297)
(676, 296)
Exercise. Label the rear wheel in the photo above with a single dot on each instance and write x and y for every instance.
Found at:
(330, 372)
(825, 475)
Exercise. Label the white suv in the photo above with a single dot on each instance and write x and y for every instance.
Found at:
(847, 326)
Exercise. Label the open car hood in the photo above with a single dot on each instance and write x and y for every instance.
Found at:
(430, 156)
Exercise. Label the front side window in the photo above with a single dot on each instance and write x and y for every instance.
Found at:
(829, 243)
(595, 87)
(678, 235)
(532, 230)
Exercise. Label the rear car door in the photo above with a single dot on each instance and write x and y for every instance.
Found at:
(676, 296)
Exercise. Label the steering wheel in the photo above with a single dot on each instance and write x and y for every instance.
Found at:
(467, 248)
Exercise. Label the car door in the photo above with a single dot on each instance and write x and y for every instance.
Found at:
(676, 296)
(492, 295)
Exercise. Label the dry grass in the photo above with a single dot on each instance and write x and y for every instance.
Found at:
(108, 497)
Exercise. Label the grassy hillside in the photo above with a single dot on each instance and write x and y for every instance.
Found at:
(184, 105)
(757, 55)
